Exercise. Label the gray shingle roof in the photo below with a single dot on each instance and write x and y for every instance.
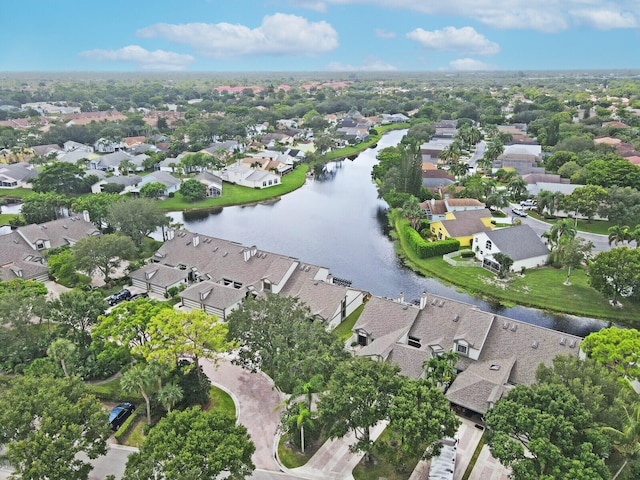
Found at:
(64, 231)
(160, 275)
(18, 259)
(519, 242)
(214, 294)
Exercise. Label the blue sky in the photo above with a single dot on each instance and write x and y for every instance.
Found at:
(318, 35)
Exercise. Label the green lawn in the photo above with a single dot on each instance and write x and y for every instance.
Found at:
(541, 288)
(221, 401)
(293, 458)
(344, 329)
(15, 192)
(355, 149)
(5, 218)
(237, 195)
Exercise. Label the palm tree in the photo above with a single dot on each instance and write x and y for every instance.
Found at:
(517, 187)
(450, 154)
(412, 211)
(619, 234)
(635, 235)
(441, 368)
(627, 440)
(460, 169)
(60, 350)
(497, 199)
(302, 418)
(495, 148)
(139, 378)
(169, 395)
(560, 229)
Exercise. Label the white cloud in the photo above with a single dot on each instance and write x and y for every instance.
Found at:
(470, 64)
(147, 60)
(318, 6)
(381, 33)
(605, 19)
(542, 15)
(453, 39)
(279, 34)
(369, 65)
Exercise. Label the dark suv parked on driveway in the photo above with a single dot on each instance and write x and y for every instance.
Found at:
(118, 297)
(120, 413)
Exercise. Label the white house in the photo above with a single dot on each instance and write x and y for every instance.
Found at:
(248, 177)
(520, 243)
(171, 183)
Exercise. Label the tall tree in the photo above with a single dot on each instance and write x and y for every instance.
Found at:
(103, 253)
(545, 432)
(60, 350)
(616, 348)
(62, 178)
(169, 395)
(420, 415)
(358, 396)
(193, 191)
(276, 335)
(96, 205)
(440, 369)
(46, 423)
(140, 378)
(626, 441)
(616, 272)
(585, 200)
(572, 253)
(78, 310)
(128, 322)
(136, 217)
(193, 444)
(175, 334)
(44, 207)
(619, 234)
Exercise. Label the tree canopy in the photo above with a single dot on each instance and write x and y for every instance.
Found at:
(193, 444)
(136, 217)
(46, 422)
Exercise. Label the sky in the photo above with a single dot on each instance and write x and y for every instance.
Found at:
(318, 35)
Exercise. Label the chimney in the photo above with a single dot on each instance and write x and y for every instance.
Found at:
(246, 254)
(254, 250)
(170, 234)
(401, 297)
(196, 240)
(423, 300)
(85, 215)
(433, 201)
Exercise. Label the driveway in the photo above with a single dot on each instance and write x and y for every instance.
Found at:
(256, 400)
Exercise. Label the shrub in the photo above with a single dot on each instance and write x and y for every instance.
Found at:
(425, 249)
(125, 428)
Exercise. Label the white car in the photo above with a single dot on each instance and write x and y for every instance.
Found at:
(519, 211)
(527, 204)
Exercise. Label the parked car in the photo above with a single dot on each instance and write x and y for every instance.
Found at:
(118, 297)
(120, 413)
(138, 295)
(519, 211)
(528, 203)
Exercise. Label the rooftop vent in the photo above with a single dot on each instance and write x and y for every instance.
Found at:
(563, 341)
(494, 366)
(535, 344)
(225, 254)
(435, 300)
(456, 318)
(505, 325)
(514, 327)
(441, 304)
(572, 344)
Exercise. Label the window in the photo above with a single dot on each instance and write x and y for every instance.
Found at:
(461, 349)
(39, 245)
(414, 342)
(362, 340)
(488, 245)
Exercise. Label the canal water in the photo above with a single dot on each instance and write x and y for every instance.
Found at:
(336, 220)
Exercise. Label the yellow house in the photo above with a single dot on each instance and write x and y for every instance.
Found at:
(462, 225)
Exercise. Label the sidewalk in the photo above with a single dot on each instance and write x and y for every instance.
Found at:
(334, 460)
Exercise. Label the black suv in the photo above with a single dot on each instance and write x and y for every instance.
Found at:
(118, 297)
(120, 413)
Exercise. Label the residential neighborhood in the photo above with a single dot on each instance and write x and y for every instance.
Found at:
(164, 254)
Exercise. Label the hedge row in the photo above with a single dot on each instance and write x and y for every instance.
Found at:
(425, 249)
(126, 427)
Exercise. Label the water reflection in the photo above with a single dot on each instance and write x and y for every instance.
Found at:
(337, 220)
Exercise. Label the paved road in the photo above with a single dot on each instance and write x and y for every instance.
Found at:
(478, 154)
(600, 242)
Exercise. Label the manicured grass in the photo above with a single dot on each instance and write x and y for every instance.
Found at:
(221, 401)
(237, 195)
(111, 391)
(541, 288)
(5, 218)
(293, 458)
(15, 192)
(355, 149)
(136, 435)
(344, 329)
(474, 459)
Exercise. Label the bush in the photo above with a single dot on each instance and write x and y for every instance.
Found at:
(467, 254)
(425, 249)
(126, 427)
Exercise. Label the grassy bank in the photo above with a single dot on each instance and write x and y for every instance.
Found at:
(595, 226)
(355, 149)
(541, 288)
(238, 195)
